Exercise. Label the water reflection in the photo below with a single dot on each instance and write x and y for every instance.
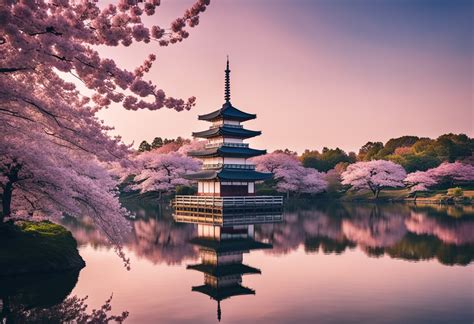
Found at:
(321, 241)
(44, 298)
(221, 252)
(202, 268)
(401, 231)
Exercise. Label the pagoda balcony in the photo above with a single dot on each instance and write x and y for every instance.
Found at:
(213, 145)
(229, 166)
(226, 125)
(227, 211)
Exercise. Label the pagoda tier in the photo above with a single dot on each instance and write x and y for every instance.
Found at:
(228, 151)
(227, 130)
(227, 112)
(221, 293)
(224, 270)
(227, 174)
(226, 246)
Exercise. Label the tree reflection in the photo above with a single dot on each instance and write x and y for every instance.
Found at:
(162, 242)
(397, 230)
(43, 298)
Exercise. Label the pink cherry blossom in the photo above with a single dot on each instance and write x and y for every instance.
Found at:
(55, 154)
(456, 171)
(374, 175)
(453, 172)
(291, 176)
(162, 172)
(420, 180)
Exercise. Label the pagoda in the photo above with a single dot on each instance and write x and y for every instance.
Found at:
(226, 169)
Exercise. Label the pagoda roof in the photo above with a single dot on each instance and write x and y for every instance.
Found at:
(230, 245)
(224, 270)
(228, 151)
(229, 131)
(221, 293)
(225, 174)
(227, 112)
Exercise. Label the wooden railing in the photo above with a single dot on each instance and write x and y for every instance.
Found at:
(212, 145)
(229, 166)
(226, 125)
(229, 219)
(232, 201)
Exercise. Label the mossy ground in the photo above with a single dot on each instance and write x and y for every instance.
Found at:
(33, 247)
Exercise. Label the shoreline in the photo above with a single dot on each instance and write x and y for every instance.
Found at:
(28, 247)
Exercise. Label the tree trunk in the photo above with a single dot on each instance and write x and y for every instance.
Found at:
(12, 176)
(377, 193)
(287, 194)
(6, 201)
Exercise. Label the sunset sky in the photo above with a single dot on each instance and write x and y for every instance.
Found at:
(316, 73)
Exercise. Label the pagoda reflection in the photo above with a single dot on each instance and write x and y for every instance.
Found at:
(221, 251)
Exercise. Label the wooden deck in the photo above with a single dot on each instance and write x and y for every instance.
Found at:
(230, 201)
(228, 210)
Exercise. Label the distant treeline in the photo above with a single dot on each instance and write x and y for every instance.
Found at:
(412, 152)
(159, 142)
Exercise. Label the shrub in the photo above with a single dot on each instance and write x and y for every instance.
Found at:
(455, 192)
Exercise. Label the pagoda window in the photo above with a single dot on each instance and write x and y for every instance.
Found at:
(209, 231)
(233, 160)
(235, 183)
(232, 140)
(231, 122)
(251, 187)
(213, 160)
(230, 258)
(216, 140)
(208, 257)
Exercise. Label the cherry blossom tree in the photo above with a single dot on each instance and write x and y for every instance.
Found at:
(456, 172)
(420, 181)
(47, 181)
(54, 152)
(290, 175)
(453, 172)
(162, 172)
(374, 175)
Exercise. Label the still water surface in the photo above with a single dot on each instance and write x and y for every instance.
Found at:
(322, 264)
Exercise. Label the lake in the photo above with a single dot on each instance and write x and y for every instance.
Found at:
(322, 263)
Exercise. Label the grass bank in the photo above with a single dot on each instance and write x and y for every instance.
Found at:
(37, 247)
(404, 195)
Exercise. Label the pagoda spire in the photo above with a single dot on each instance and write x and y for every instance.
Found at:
(227, 82)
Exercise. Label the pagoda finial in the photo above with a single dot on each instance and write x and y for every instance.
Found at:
(219, 312)
(227, 82)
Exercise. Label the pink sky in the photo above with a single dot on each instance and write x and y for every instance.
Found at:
(315, 74)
